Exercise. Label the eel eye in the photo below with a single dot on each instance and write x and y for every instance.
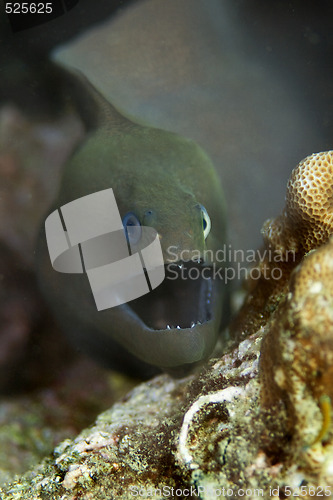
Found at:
(132, 228)
(206, 223)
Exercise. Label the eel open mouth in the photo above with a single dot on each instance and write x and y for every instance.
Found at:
(184, 299)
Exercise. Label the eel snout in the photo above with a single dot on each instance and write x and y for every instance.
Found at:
(183, 300)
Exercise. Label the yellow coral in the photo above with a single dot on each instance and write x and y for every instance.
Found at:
(296, 364)
(307, 221)
(305, 224)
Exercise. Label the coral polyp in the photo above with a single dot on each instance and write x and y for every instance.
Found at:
(309, 202)
(305, 224)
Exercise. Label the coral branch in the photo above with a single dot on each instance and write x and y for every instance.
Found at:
(305, 224)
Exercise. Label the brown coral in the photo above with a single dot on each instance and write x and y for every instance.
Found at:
(308, 218)
(305, 224)
(296, 364)
(312, 213)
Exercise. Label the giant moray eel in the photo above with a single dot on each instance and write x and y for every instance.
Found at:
(165, 181)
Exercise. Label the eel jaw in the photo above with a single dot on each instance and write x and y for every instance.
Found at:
(180, 319)
(183, 301)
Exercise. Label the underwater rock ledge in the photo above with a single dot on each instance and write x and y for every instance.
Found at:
(255, 422)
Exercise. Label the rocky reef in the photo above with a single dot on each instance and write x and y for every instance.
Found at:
(256, 421)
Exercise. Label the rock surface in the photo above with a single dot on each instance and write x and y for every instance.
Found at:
(201, 434)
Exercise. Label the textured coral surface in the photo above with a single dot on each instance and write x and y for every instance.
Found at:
(305, 223)
(309, 204)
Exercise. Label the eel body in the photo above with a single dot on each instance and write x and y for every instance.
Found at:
(159, 180)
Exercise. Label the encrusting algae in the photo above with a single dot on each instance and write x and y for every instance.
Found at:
(296, 363)
(305, 223)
